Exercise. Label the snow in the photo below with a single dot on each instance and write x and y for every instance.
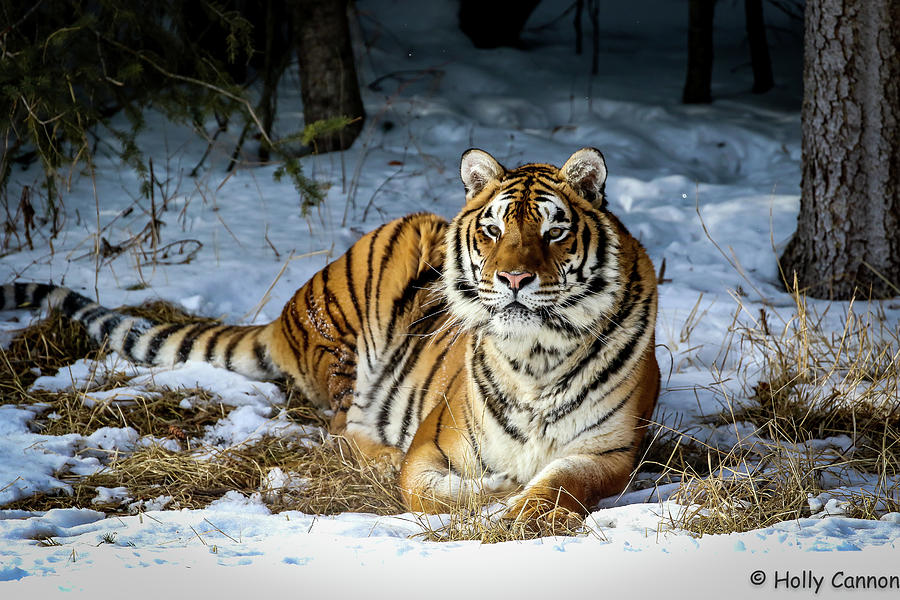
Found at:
(713, 191)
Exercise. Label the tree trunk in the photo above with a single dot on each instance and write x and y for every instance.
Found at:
(594, 12)
(328, 82)
(848, 230)
(700, 52)
(579, 8)
(759, 47)
(276, 46)
(494, 23)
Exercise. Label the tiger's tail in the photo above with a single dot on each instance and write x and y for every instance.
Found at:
(243, 349)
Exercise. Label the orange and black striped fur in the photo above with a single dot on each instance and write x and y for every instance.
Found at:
(508, 351)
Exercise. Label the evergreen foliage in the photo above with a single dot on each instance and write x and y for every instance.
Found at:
(68, 66)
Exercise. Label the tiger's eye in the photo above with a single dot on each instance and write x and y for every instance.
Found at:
(493, 231)
(555, 232)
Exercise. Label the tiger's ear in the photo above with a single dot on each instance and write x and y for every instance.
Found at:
(585, 172)
(477, 169)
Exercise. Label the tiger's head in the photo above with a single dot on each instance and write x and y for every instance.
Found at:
(533, 248)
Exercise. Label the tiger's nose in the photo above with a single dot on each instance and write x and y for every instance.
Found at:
(516, 279)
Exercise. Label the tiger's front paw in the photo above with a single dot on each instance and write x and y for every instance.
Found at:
(389, 460)
(542, 516)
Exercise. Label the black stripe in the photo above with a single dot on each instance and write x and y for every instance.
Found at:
(262, 360)
(331, 301)
(387, 254)
(470, 248)
(314, 315)
(41, 291)
(421, 392)
(287, 323)
(604, 417)
(73, 303)
(20, 294)
(187, 342)
(482, 469)
(401, 304)
(585, 249)
(354, 300)
(158, 339)
(210, 353)
(130, 339)
(351, 286)
(368, 320)
(462, 285)
(494, 400)
(437, 435)
(438, 430)
(613, 451)
(90, 316)
(239, 335)
(110, 325)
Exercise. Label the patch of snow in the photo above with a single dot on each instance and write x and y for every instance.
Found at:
(116, 495)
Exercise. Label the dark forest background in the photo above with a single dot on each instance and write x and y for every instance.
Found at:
(69, 67)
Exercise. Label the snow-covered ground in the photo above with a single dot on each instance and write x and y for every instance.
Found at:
(736, 163)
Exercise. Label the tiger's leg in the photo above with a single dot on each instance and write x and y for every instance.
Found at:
(558, 497)
(353, 312)
(315, 343)
(565, 490)
(341, 378)
(441, 468)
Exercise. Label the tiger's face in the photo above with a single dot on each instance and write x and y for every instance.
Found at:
(533, 248)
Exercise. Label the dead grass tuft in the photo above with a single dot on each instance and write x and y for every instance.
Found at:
(732, 502)
(666, 454)
(180, 414)
(288, 475)
(826, 409)
(42, 348)
(818, 385)
(161, 311)
(481, 520)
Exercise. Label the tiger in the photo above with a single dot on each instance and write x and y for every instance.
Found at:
(507, 353)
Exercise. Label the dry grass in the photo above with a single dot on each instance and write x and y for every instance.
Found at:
(482, 520)
(815, 384)
(42, 348)
(161, 311)
(159, 412)
(736, 502)
(667, 454)
(321, 479)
